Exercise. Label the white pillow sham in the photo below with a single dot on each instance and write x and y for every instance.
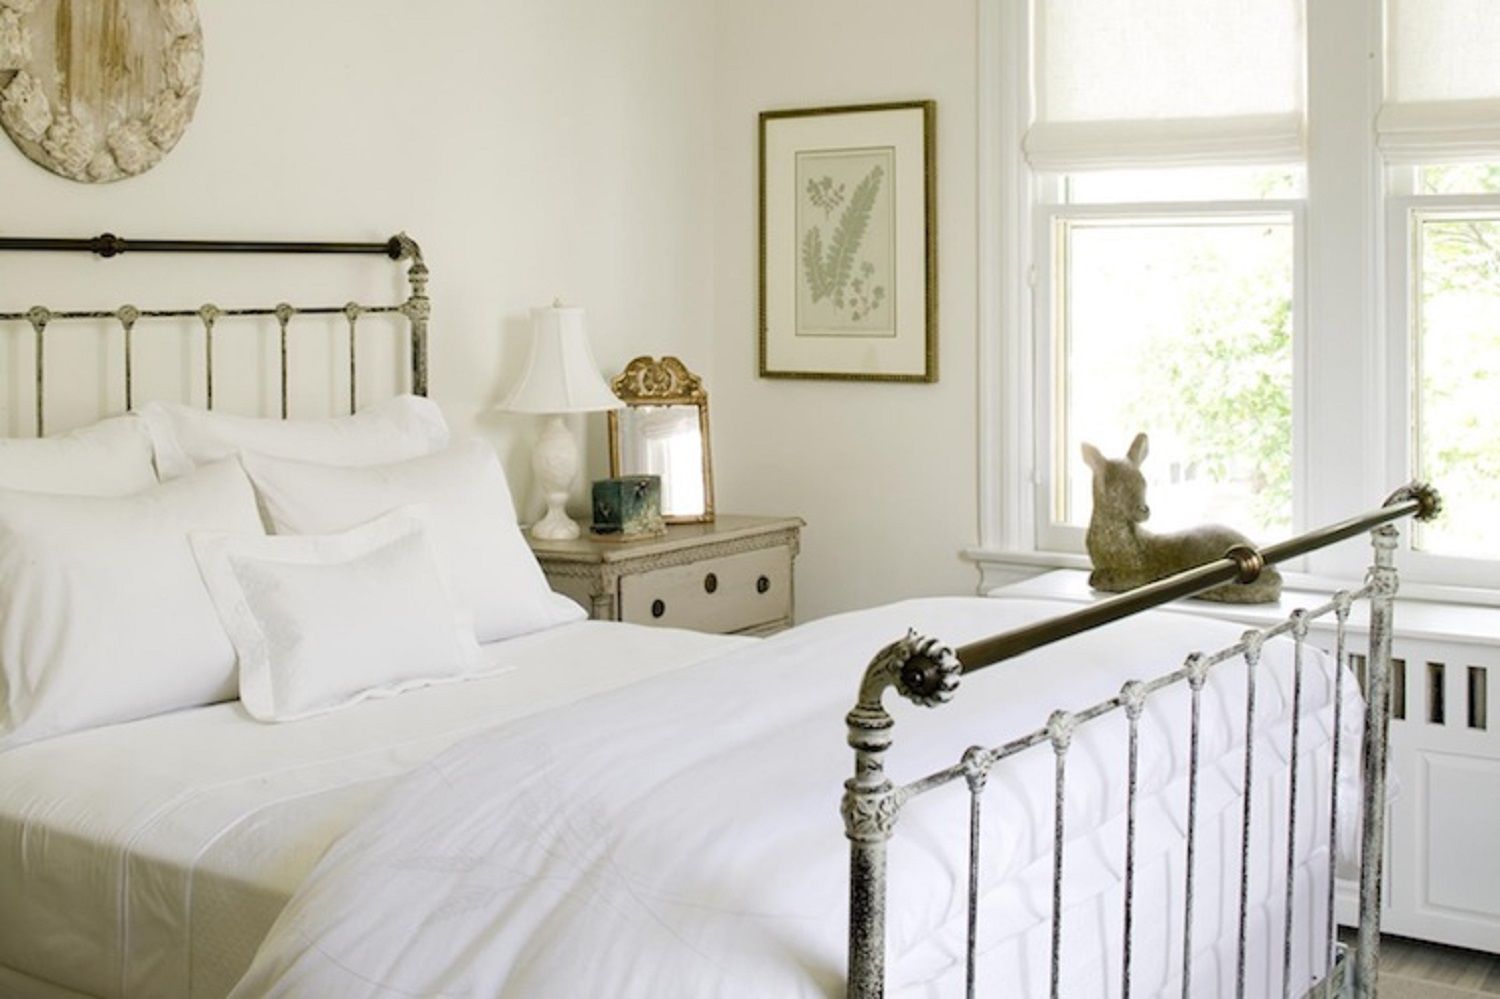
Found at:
(109, 458)
(478, 544)
(103, 614)
(404, 427)
(321, 622)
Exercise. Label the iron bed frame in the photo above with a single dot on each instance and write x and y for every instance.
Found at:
(927, 672)
(416, 308)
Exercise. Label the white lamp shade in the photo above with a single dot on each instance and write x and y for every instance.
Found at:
(561, 375)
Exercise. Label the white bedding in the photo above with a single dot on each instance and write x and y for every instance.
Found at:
(149, 859)
(680, 837)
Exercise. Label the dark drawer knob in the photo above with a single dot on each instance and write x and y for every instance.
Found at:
(658, 608)
(710, 583)
(763, 584)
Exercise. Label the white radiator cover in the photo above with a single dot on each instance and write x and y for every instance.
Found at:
(1442, 876)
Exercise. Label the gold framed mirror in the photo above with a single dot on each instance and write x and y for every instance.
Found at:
(663, 430)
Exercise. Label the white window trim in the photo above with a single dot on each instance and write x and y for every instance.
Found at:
(1345, 255)
(1401, 212)
(1049, 535)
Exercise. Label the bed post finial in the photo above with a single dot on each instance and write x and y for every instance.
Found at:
(925, 672)
(1429, 500)
(417, 309)
(1383, 583)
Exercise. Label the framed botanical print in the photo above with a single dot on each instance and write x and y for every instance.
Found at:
(848, 246)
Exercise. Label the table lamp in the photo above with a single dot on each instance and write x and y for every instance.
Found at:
(560, 377)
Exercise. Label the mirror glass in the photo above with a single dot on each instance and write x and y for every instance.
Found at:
(666, 441)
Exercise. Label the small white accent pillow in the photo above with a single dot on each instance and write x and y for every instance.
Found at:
(474, 533)
(321, 622)
(109, 458)
(403, 427)
(103, 614)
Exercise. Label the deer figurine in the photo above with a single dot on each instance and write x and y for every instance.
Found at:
(1126, 555)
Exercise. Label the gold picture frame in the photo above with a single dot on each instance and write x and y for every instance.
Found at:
(848, 243)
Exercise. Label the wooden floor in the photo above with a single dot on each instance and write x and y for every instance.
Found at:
(1410, 969)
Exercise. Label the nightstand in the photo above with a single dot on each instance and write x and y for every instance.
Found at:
(733, 576)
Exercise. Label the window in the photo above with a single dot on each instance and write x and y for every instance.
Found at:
(1438, 136)
(1451, 275)
(1170, 195)
(1298, 324)
(1180, 321)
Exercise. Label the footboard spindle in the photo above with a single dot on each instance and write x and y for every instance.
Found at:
(1299, 635)
(976, 770)
(1060, 732)
(1197, 673)
(1252, 660)
(1133, 696)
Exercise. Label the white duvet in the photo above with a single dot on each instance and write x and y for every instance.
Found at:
(150, 859)
(681, 837)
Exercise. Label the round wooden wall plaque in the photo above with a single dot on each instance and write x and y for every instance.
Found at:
(98, 90)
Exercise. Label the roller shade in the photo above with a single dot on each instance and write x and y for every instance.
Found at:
(1442, 81)
(1125, 83)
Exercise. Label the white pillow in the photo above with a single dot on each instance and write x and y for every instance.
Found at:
(103, 614)
(487, 563)
(403, 427)
(320, 622)
(109, 458)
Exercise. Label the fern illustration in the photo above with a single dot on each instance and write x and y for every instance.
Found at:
(828, 273)
(812, 263)
(842, 250)
(825, 194)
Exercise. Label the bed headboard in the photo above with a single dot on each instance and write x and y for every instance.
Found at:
(416, 308)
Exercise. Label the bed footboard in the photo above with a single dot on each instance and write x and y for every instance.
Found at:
(927, 672)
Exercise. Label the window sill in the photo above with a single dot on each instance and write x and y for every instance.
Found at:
(1417, 617)
(998, 567)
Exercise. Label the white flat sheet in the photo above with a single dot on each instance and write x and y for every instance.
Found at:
(149, 859)
(680, 837)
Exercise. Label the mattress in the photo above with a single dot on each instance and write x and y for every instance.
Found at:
(150, 858)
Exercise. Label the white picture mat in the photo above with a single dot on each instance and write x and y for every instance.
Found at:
(905, 354)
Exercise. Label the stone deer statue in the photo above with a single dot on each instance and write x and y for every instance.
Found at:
(1126, 555)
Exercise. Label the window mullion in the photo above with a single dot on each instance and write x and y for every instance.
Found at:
(1344, 452)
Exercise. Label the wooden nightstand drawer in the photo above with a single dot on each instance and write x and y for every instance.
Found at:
(732, 575)
(723, 594)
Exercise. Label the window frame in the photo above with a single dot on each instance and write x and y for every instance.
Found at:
(1050, 218)
(1405, 208)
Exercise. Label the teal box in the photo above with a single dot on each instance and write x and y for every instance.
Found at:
(628, 508)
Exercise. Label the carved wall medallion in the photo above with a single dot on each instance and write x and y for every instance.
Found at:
(98, 90)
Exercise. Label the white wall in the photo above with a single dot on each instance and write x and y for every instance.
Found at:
(534, 148)
(597, 150)
(883, 474)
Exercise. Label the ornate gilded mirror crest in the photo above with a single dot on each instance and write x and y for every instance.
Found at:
(98, 90)
(663, 430)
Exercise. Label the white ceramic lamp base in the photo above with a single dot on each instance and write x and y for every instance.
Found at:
(555, 462)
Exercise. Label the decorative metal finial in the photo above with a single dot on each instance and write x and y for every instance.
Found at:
(1429, 501)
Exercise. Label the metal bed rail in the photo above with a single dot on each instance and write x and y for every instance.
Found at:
(926, 672)
(416, 308)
